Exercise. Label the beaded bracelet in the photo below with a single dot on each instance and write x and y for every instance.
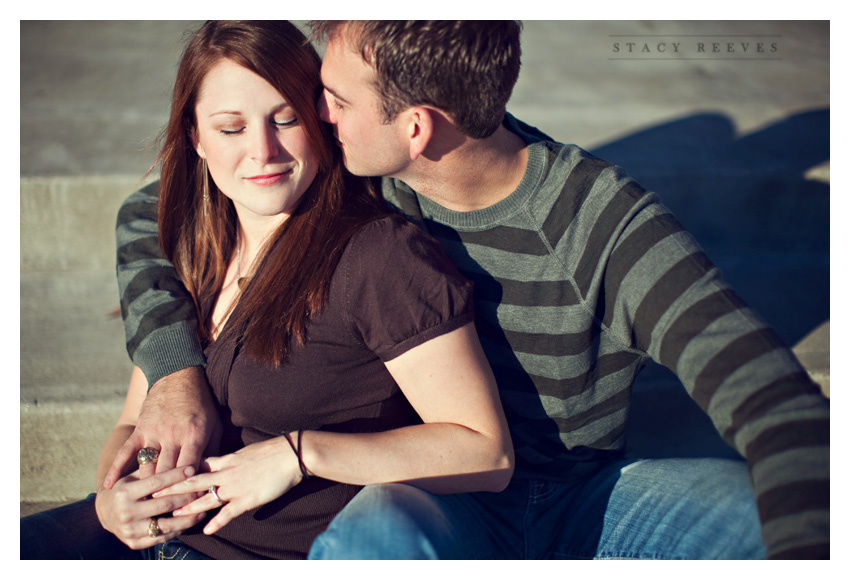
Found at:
(297, 451)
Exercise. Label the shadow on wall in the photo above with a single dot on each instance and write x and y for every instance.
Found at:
(749, 203)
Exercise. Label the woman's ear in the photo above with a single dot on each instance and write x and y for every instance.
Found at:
(196, 143)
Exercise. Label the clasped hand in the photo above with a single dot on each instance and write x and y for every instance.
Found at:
(127, 508)
(247, 479)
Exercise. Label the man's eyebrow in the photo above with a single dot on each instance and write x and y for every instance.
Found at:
(336, 95)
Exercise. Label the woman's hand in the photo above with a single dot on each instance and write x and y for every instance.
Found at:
(126, 510)
(249, 478)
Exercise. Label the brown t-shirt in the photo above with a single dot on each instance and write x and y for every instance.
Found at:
(394, 289)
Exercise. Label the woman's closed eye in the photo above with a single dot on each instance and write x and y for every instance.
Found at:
(279, 123)
(286, 122)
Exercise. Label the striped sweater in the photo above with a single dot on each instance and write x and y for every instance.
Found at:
(581, 277)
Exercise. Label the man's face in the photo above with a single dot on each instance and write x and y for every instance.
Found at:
(351, 105)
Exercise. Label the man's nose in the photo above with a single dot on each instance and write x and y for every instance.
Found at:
(324, 108)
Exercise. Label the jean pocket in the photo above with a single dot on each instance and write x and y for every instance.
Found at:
(174, 549)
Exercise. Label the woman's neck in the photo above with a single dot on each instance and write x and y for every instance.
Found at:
(255, 230)
(252, 232)
(251, 235)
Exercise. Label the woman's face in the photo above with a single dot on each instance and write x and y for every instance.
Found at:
(257, 152)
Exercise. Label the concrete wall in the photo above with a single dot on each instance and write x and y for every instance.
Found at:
(74, 369)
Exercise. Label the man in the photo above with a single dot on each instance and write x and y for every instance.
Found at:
(581, 276)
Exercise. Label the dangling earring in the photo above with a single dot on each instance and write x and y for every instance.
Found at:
(206, 201)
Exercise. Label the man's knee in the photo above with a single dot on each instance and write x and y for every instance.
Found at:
(387, 521)
(707, 506)
(736, 516)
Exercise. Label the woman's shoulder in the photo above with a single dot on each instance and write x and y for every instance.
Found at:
(394, 244)
(396, 281)
(390, 226)
(391, 234)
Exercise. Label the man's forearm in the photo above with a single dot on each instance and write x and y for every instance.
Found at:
(159, 316)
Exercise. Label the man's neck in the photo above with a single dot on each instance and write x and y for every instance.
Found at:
(473, 175)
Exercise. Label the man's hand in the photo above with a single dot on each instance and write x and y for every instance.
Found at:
(179, 419)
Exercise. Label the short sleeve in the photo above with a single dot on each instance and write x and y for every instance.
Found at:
(401, 288)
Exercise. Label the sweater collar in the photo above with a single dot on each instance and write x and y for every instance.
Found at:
(499, 212)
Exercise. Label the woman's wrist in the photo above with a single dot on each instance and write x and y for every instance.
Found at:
(296, 443)
(100, 509)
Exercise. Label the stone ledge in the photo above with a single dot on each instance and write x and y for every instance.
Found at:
(60, 446)
(813, 352)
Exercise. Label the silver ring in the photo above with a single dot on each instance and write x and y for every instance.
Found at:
(214, 491)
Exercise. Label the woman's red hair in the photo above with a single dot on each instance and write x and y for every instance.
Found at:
(295, 267)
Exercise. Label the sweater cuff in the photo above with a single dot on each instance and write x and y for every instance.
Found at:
(169, 350)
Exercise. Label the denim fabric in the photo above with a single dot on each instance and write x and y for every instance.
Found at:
(633, 509)
(73, 532)
(174, 549)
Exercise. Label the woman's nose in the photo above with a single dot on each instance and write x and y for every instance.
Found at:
(264, 145)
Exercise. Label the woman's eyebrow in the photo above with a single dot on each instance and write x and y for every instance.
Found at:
(283, 105)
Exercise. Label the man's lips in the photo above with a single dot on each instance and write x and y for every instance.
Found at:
(268, 179)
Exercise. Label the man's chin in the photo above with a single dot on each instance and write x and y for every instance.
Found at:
(353, 169)
(359, 173)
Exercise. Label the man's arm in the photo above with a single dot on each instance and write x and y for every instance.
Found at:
(159, 315)
(733, 364)
(178, 417)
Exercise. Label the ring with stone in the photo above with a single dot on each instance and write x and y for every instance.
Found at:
(147, 455)
(213, 490)
(153, 528)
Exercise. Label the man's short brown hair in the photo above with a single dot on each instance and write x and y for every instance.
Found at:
(466, 69)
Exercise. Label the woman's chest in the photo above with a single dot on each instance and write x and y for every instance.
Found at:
(332, 379)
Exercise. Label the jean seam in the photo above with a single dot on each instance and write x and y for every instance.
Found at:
(612, 556)
(548, 491)
(531, 501)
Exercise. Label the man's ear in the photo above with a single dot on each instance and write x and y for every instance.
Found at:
(420, 130)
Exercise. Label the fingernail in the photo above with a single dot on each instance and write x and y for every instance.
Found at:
(177, 512)
(189, 471)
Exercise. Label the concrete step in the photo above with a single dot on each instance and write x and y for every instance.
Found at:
(74, 367)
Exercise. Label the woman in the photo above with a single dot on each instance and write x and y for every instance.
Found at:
(340, 342)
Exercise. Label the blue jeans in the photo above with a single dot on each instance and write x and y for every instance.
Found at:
(633, 509)
(73, 532)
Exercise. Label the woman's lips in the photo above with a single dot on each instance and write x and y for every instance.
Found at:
(268, 179)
